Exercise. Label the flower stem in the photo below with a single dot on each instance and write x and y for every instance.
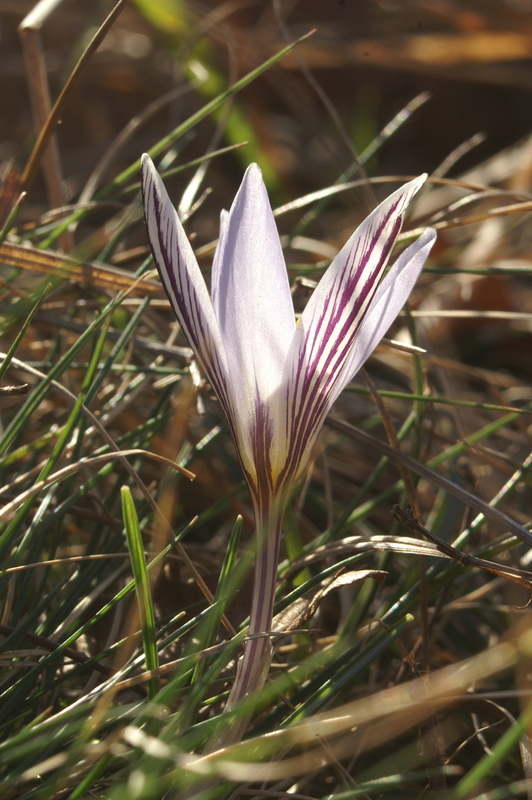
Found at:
(253, 667)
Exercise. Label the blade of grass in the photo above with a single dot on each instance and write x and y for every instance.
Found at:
(483, 768)
(13, 214)
(428, 398)
(142, 587)
(4, 366)
(420, 469)
(207, 109)
(50, 125)
(12, 696)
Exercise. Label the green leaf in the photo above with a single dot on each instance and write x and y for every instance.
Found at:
(142, 587)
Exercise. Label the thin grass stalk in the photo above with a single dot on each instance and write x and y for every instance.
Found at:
(92, 776)
(346, 668)
(13, 214)
(39, 392)
(142, 587)
(483, 768)
(436, 399)
(20, 336)
(164, 143)
(53, 117)
(344, 520)
(427, 471)
(363, 158)
(169, 694)
(94, 386)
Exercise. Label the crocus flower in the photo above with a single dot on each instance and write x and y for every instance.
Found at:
(276, 378)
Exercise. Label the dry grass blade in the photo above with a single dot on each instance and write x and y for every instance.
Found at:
(519, 576)
(49, 646)
(139, 482)
(95, 461)
(9, 192)
(30, 33)
(49, 263)
(354, 544)
(297, 614)
(418, 51)
(14, 391)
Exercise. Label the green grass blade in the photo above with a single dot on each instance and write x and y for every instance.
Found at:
(4, 366)
(142, 587)
(506, 744)
(207, 109)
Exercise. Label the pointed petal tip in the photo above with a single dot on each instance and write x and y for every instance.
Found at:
(152, 184)
(403, 196)
(149, 174)
(431, 234)
(253, 176)
(252, 194)
(146, 162)
(418, 182)
(427, 238)
(254, 168)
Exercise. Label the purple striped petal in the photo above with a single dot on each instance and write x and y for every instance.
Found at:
(183, 281)
(275, 381)
(335, 310)
(322, 358)
(389, 299)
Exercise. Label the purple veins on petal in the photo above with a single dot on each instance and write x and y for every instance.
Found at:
(388, 301)
(333, 315)
(261, 436)
(276, 381)
(183, 281)
(323, 359)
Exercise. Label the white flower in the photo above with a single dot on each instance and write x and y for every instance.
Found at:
(276, 380)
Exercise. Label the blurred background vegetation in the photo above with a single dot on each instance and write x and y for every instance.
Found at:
(382, 91)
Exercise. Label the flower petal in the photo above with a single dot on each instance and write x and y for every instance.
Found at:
(389, 299)
(251, 293)
(182, 280)
(338, 304)
(324, 344)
